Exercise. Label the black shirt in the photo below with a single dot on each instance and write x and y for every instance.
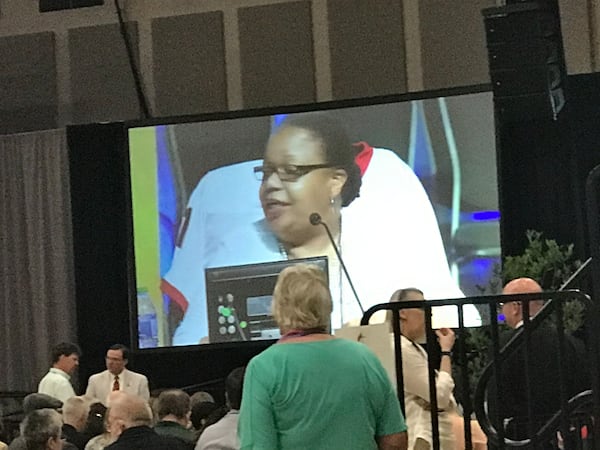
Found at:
(145, 438)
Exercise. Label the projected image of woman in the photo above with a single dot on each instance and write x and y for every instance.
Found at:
(310, 167)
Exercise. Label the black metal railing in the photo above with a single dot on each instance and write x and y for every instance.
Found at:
(592, 193)
(570, 407)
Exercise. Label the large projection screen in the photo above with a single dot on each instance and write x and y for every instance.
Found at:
(427, 215)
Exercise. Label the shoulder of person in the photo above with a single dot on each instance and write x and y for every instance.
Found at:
(139, 376)
(173, 443)
(95, 376)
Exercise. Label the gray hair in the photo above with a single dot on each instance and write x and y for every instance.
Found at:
(199, 397)
(39, 426)
(75, 411)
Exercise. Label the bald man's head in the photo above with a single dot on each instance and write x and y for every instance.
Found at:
(522, 286)
(513, 311)
(128, 411)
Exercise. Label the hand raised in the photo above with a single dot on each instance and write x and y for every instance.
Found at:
(446, 338)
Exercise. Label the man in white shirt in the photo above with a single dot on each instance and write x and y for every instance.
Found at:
(116, 377)
(57, 382)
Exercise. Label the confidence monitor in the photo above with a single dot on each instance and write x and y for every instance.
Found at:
(239, 299)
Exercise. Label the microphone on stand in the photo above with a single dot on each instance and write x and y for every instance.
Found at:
(315, 219)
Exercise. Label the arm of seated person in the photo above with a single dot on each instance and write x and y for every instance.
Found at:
(396, 441)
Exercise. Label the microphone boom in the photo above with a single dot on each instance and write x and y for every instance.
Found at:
(315, 219)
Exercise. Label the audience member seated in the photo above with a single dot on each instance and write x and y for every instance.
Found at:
(57, 382)
(509, 407)
(199, 397)
(416, 377)
(75, 413)
(94, 424)
(312, 390)
(34, 402)
(173, 412)
(129, 418)
(223, 434)
(96, 428)
(117, 377)
(201, 412)
(41, 430)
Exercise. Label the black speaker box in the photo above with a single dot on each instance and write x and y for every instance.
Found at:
(526, 60)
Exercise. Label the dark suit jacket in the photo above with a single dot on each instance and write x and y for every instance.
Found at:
(177, 431)
(144, 438)
(74, 437)
(544, 386)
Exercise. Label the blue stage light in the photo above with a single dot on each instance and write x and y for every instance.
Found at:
(479, 216)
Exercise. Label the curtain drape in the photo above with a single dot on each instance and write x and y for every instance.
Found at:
(37, 305)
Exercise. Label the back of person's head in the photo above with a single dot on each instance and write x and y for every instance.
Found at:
(124, 350)
(301, 299)
(64, 348)
(36, 401)
(217, 414)
(113, 396)
(75, 412)
(338, 149)
(94, 424)
(128, 411)
(199, 397)
(200, 412)
(173, 402)
(41, 429)
(233, 387)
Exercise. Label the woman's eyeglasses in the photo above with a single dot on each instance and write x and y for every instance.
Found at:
(288, 172)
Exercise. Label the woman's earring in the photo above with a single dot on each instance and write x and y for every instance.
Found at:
(332, 201)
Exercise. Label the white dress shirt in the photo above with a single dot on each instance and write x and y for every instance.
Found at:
(57, 384)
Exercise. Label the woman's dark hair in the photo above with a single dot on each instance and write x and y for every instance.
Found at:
(200, 412)
(339, 151)
(95, 420)
(234, 384)
(217, 414)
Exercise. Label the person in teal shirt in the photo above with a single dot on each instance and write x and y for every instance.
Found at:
(312, 390)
